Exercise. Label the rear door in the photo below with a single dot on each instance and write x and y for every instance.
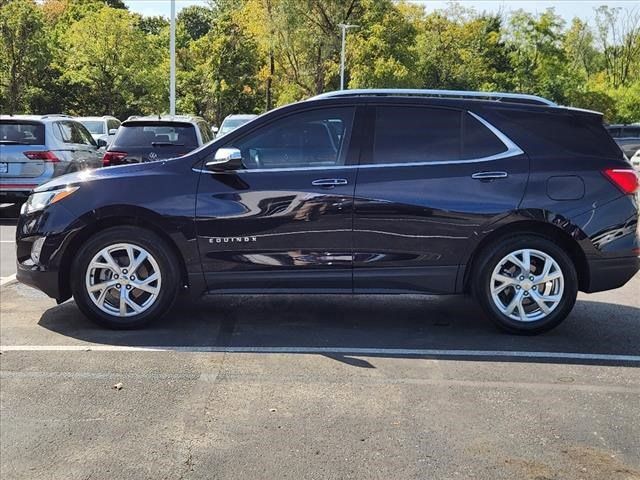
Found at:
(283, 221)
(428, 183)
(18, 138)
(77, 146)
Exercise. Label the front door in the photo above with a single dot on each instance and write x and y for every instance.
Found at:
(284, 220)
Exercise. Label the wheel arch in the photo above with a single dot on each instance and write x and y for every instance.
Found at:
(532, 227)
(102, 222)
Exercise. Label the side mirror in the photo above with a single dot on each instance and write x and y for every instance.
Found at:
(214, 129)
(225, 159)
(102, 143)
(112, 131)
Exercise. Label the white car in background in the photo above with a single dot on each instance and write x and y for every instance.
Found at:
(635, 160)
(231, 122)
(101, 128)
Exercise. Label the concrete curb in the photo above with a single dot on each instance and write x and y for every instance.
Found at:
(8, 280)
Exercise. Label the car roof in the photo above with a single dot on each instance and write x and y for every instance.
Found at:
(50, 117)
(242, 116)
(103, 117)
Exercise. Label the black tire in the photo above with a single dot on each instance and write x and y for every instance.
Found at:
(492, 256)
(155, 246)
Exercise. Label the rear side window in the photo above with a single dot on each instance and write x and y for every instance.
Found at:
(72, 132)
(423, 135)
(21, 133)
(148, 134)
(113, 124)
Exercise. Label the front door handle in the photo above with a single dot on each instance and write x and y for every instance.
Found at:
(329, 182)
(487, 176)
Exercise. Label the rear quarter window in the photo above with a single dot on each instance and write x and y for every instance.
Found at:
(21, 133)
(547, 133)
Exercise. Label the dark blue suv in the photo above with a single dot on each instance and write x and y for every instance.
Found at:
(509, 197)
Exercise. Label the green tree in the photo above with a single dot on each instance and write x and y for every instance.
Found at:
(382, 52)
(220, 70)
(113, 67)
(24, 54)
(196, 21)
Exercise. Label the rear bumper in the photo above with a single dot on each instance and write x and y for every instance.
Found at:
(610, 273)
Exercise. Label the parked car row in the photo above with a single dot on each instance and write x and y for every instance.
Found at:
(36, 148)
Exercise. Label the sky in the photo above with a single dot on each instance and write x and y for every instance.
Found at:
(566, 8)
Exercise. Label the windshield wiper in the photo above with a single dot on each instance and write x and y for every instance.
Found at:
(166, 144)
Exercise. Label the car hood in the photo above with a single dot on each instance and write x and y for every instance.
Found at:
(98, 174)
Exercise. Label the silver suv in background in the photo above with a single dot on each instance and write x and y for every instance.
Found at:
(36, 148)
(627, 137)
(101, 128)
(231, 122)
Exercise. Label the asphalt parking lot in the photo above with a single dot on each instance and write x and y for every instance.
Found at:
(319, 387)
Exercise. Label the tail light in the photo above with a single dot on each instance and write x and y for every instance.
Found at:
(625, 179)
(45, 155)
(113, 158)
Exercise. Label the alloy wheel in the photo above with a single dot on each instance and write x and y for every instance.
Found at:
(527, 285)
(123, 280)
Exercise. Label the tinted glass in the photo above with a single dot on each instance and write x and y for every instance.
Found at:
(631, 132)
(417, 134)
(478, 140)
(94, 126)
(205, 132)
(316, 138)
(156, 134)
(21, 133)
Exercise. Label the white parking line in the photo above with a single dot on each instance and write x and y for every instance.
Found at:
(328, 350)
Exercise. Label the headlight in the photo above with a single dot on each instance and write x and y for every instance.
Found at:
(41, 200)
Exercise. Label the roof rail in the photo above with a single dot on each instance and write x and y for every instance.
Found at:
(49, 115)
(408, 92)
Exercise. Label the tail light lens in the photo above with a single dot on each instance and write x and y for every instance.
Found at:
(113, 158)
(44, 155)
(625, 179)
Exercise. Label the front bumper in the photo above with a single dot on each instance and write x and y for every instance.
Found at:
(44, 280)
(58, 225)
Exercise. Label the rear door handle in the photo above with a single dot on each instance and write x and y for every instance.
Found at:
(329, 182)
(489, 175)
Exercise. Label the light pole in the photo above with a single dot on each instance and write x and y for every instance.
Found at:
(172, 64)
(344, 27)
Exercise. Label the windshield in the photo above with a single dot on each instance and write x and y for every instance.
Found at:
(156, 135)
(21, 133)
(96, 127)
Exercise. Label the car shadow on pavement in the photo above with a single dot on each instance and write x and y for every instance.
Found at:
(341, 326)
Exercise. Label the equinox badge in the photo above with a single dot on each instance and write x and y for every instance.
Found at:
(232, 239)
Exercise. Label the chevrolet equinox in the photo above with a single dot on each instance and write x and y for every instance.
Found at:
(509, 197)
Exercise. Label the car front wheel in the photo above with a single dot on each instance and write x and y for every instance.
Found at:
(124, 277)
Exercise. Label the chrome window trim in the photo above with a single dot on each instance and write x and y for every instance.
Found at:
(512, 150)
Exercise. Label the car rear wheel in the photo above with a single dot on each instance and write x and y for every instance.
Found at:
(124, 277)
(526, 284)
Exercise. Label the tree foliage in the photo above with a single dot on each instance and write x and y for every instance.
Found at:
(239, 56)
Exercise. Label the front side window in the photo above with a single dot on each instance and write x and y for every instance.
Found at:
(316, 138)
(424, 135)
(81, 135)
